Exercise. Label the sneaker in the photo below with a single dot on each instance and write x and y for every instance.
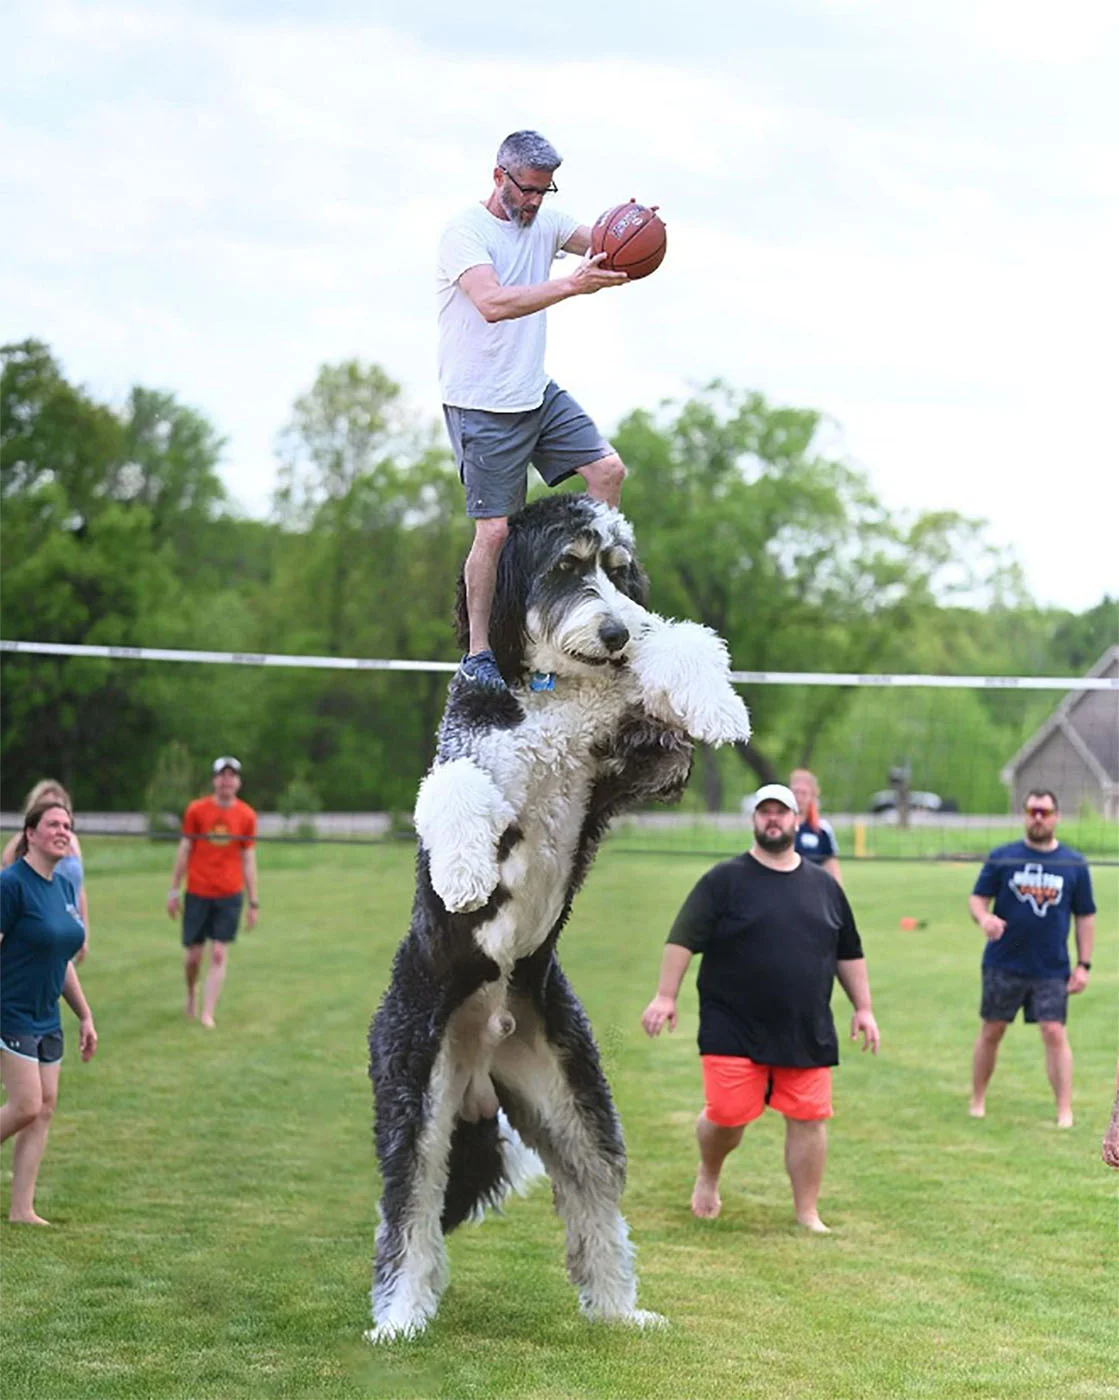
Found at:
(480, 669)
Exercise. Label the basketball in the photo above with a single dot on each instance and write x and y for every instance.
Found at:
(633, 238)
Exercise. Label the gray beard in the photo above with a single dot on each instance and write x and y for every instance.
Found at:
(516, 216)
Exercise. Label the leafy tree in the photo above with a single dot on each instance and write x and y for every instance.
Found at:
(788, 554)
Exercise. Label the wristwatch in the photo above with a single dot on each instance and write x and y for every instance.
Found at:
(1087, 966)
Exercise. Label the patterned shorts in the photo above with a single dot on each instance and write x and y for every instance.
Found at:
(1040, 998)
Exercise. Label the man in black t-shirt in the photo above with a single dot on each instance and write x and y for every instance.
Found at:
(774, 932)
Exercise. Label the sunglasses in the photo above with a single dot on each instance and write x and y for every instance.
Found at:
(1041, 811)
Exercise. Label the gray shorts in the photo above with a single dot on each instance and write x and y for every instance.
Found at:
(210, 918)
(46, 1049)
(493, 450)
(1040, 998)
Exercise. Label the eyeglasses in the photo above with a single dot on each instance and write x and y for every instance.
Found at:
(529, 189)
(1041, 811)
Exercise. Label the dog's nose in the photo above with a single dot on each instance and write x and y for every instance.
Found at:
(614, 636)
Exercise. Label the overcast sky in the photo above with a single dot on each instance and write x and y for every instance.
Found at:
(904, 215)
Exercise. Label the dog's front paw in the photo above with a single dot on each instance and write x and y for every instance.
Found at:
(460, 815)
(684, 672)
(721, 717)
(461, 885)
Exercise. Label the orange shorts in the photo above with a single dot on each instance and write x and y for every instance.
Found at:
(736, 1090)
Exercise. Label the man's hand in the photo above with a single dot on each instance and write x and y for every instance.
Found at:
(864, 1021)
(590, 276)
(173, 904)
(660, 1012)
(992, 926)
(87, 1038)
(1078, 980)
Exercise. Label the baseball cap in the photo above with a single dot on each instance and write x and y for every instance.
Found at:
(226, 762)
(776, 792)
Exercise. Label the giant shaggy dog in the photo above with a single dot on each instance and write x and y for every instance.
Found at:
(480, 1045)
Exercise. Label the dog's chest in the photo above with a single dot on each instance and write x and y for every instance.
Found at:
(549, 772)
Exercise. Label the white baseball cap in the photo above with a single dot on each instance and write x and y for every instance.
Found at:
(226, 762)
(776, 792)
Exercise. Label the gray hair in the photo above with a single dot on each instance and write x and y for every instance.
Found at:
(528, 150)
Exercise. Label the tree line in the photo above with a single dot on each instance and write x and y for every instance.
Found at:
(116, 529)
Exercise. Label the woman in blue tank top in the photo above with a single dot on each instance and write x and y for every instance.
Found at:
(71, 865)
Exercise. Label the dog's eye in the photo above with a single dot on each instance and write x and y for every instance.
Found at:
(570, 563)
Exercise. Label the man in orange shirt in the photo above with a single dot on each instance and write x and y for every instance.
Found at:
(217, 857)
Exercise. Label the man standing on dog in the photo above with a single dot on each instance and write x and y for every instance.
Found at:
(1038, 886)
(774, 931)
(502, 410)
(218, 858)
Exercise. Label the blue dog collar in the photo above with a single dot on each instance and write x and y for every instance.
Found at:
(542, 680)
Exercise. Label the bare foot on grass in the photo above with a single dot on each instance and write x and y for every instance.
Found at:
(29, 1219)
(1064, 1120)
(190, 1009)
(209, 1022)
(814, 1223)
(705, 1197)
(977, 1108)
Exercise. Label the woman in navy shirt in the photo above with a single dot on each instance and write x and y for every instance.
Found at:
(815, 841)
(40, 932)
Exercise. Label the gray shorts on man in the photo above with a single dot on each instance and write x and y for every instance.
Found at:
(493, 450)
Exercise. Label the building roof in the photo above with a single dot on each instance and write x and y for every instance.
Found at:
(1061, 721)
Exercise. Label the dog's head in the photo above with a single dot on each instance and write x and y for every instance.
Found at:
(569, 589)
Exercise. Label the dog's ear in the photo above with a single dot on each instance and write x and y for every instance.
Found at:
(459, 616)
(635, 583)
(510, 601)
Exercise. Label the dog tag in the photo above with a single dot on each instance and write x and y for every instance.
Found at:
(542, 680)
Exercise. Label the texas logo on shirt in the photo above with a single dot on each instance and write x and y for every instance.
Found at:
(1035, 887)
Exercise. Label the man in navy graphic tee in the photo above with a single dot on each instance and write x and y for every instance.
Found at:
(1037, 887)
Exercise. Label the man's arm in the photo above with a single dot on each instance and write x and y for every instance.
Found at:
(662, 1008)
(854, 980)
(978, 906)
(580, 241)
(1085, 942)
(497, 303)
(178, 871)
(248, 867)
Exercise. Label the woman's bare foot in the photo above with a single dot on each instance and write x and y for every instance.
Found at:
(977, 1108)
(814, 1223)
(705, 1197)
(208, 1022)
(30, 1218)
(1064, 1120)
(190, 1009)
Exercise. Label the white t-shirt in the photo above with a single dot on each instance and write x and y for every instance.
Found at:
(498, 366)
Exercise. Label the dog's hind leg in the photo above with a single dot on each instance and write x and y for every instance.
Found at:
(551, 1085)
(414, 1131)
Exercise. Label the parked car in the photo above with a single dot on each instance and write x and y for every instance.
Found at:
(887, 801)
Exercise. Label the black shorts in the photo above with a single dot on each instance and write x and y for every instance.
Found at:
(1040, 998)
(211, 918)
(46, 1049)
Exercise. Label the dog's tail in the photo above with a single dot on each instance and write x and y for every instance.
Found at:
(488, 1160)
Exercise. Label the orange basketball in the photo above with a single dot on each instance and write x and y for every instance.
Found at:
(633, 238)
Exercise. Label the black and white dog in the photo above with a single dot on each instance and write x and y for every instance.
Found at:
(480, 1046)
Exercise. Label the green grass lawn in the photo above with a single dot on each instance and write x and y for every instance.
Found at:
(213, 1195)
